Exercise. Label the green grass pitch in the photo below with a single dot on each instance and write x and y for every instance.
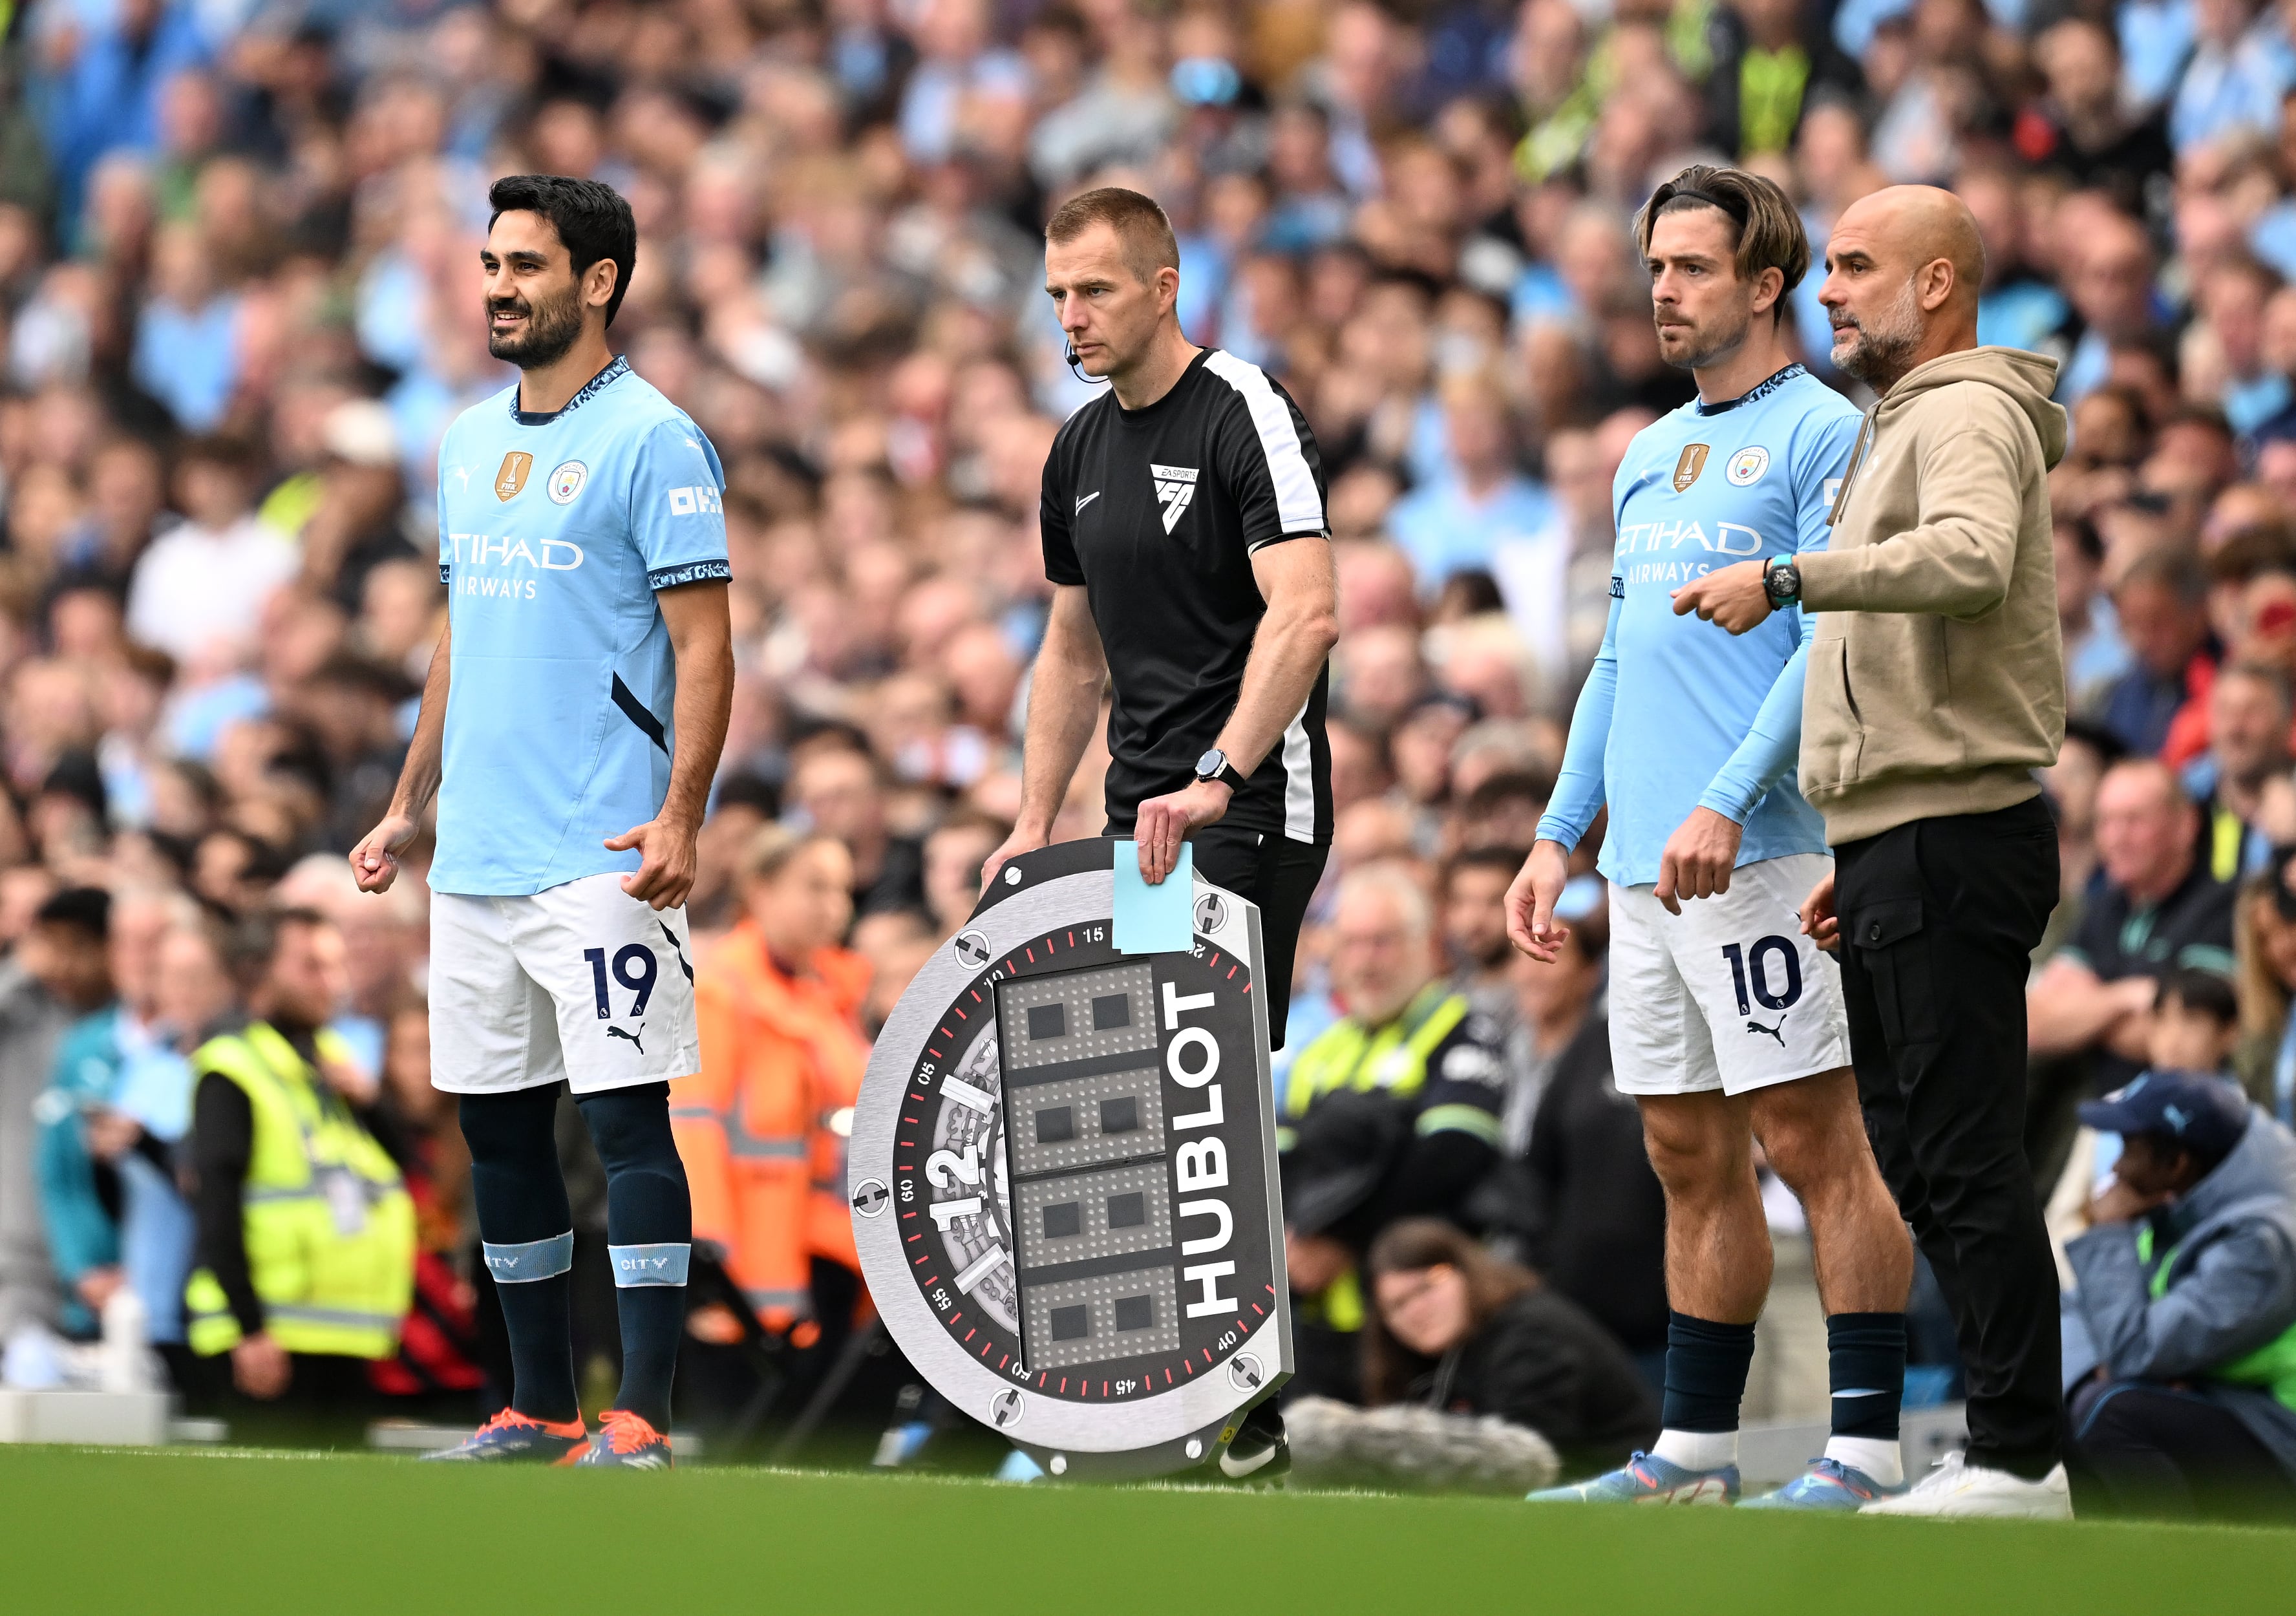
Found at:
(184, 1532)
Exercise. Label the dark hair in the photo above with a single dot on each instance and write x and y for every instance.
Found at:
(255, 942)
(1149, 243)
(969, 818)
(1500, 860)
(1510, 785)
(591, 218)
(2083, 534)
(2202, 992)
(2172, 569)
(1766, 232)
(87, 910)
(2253, 551)
(230, 452)
(1410, 1247)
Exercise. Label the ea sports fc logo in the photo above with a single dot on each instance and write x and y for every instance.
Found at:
(567, 481)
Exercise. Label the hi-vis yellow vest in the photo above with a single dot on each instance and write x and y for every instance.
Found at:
(329, 1226)
(1393, 1058)
(2272, 1365)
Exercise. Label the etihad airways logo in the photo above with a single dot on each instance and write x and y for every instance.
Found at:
(514, 555)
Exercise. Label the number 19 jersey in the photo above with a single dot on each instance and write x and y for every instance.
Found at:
(554, 532)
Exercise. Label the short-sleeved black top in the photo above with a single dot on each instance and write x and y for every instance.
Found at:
(2191, 926)
(1157, 512)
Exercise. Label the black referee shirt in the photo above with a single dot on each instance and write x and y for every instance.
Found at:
(1156, 511)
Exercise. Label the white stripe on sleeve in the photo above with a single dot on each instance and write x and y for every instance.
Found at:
(1298, 504)
(1299, 777)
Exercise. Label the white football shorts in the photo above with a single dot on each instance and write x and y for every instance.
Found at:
(1728, 995)
(582, 982)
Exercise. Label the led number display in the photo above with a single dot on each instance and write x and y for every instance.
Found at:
(1064, 1175)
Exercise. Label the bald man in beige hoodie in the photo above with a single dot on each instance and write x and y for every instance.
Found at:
(1936, 688)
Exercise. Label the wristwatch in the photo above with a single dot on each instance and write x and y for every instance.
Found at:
(1214, 765)
(1782, 581)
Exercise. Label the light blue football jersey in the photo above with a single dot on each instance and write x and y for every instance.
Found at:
(1678, 713)
(554, 532)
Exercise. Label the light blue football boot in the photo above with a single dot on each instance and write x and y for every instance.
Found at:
(1647, 1479)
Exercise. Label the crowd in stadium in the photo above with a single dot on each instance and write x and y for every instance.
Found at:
(239, 307)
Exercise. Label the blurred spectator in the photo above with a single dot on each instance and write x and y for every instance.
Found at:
(1480, 500)
(1394, 1110)
(1576, 1195)
(2159, 908)
(2242, 62)
(782, 1058)
(1453, 1327)
(2161, 604)
(294, 1295)
(191, 995)
(1473, 887)
(70, 953)
(2266, 1057)
(200, 590)
(2249, 716)
(2196, 1028)
(436, 1368)
(953, 856)
(187, 342)
(2095, 656)
(2111, 285)
(2085, 127)
(2181, 1319)
(81, 1194)
(841, 790)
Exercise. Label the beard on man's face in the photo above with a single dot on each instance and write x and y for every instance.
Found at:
(1688, 346)
(543, 337)
(1884, 343)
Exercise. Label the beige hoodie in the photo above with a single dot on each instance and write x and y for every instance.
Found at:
(1937, 679)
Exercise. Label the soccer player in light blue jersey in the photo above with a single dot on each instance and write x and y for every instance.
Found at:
(587, 655)
(1726, 1023)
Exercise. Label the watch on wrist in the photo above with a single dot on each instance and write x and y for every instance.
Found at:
(1214, 765)
(1782, 581)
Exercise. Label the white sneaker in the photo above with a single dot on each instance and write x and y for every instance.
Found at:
(1956, 1488)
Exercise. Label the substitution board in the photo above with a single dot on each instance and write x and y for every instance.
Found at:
(1063, 1173)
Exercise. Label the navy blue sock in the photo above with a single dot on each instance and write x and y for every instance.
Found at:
(649, 1236)
(528, 1232)
(1706, 1365)
(1865, 1367)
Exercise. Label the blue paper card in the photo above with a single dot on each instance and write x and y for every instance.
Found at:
(1153, 920)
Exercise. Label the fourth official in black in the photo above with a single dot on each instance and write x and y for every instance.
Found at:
(1184, 533)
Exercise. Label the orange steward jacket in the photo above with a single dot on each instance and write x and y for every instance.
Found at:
(762, 1127)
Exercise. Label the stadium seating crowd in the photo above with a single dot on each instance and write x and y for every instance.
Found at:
(238, 305)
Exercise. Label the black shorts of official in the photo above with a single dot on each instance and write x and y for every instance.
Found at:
(1274, 872)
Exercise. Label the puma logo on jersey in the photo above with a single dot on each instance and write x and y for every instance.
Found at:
(1176, 490)
(1085, 499)
(1777, 1032)
(635, 1038)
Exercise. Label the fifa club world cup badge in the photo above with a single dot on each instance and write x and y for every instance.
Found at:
(1064, 1174)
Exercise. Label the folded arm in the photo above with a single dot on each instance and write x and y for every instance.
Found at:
(1957, 562)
